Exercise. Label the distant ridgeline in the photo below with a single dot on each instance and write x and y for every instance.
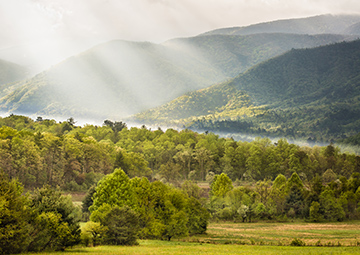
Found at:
(304, 93)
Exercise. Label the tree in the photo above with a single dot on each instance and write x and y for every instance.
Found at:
(315, 214)
(332, 209)
(57, 221)
(93, 233)
(51, 233)
(198, 216)
(176, 225)
(122, 225)
(294, 180)
(278, 193)
(14, 216)
(295, 201)
(221, 185)
(204, 158)
(329, 176)
(263, 189)
(115, 190)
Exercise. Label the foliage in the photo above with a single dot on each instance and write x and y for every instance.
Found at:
(122, 226)
(160, 210)
(45, 221)
(37, 152)
(57, 220)
(93, 233)
(297, 242)
(221, 185)
(14, 216)
(114, 189)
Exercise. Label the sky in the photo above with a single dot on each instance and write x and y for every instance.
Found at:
(47, 31)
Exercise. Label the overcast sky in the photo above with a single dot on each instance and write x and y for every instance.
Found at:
(60, 28)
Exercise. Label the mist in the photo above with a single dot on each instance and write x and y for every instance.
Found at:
(41, 33)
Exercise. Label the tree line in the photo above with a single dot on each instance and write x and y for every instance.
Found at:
(322, 199)
(74, 158)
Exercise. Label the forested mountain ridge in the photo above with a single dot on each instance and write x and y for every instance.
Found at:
(10, 73)
(321, 24)
(120, 78)
(303, 93)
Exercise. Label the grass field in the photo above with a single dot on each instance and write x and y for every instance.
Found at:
(325, 234)
(248, 238)
(174, 247)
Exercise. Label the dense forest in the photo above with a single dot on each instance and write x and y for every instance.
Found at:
(142, 183)
(74, 158)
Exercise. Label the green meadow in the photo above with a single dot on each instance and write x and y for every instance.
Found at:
(174, 247)
(248, 238)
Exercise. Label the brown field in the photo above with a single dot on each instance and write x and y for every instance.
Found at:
(313, 234)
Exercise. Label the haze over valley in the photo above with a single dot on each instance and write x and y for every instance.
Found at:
(231, 79)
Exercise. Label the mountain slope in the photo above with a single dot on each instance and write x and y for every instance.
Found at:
(115, 78)
(303, 92)
(9, 73)
(322, 24)
(119, 78)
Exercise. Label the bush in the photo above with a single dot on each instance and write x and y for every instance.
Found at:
(297, 242)
(92, 234)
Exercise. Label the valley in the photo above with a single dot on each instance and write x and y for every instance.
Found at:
(240, 139)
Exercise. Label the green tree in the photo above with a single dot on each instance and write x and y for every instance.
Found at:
(93, 233)
(51, 233)
(333, 211)
(122, 225)
(14, 216)
(294, 203)
(315, 214)
(221, 185)
(198, 216)
(115, 190)
(176, 225)
(58, 220)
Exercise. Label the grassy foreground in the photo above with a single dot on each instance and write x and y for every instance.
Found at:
(248, 238)
(163, 247)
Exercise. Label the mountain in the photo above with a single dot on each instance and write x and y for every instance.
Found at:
(234, 54)
(322, 24)
(113, 79)
(303, 93)
(11, 72)
(120, 78)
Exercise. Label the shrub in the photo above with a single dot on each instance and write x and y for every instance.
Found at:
(297, 242)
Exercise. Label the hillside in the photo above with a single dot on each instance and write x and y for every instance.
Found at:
(322, 24)
(304, 93)
(120, 78)
(9, 73)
